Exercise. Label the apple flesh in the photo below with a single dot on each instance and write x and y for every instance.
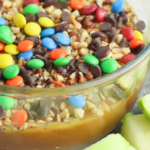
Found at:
(111, 142)
(136, 130)
(132, 148)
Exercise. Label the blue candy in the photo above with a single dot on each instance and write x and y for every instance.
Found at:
(118, 6)
(2, 21)
(62, 39)
(49, 43)
(77, 101)
(25, 55)
(48, 32)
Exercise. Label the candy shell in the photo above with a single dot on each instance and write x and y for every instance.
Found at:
(5, 30)
(27, 2)
(61, 61)
(135, 43)
(25, 46)
(138, 35)
(59, 84)
(118, 6)
(46, 22)
(57, 53)
(2, 21)
(76, 4)
(1, 46)
(11, 49)
(35, 63)
(91, 60)
(25, 55)
(48, 32)
(89, 9)
(100, 14)
(49, 43)
(32, 9)
(6, 39)
(16, 81)
(127, 58)
(77, 101)
(5, 61)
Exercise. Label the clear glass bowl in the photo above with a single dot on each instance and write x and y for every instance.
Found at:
(115, 94)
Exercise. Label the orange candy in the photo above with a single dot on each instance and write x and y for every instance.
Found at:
(77, 4)
(135, 43)
(57, 53)
(16, 81)
(59, 84)
(25, 46)
(19, 118)
(1, 46)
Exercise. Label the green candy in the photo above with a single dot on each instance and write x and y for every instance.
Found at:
(5, 30)
(6, 39)
(91, 60)
(35, 63)
(7, 102)
(11, 71)
(109, 65)
(61, 61)
(32, 9)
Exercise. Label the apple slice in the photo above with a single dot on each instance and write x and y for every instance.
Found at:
(111, 142)
(144, 105)
(132, 148)
(136, 130)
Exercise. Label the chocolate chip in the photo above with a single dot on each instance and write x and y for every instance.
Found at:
(33, 114)
(138, 49)
(96, 71)
(102, 35)
(41, 14)
(40, 50)
(105, 26)
(119, 92)
(33, 80)
(42, 112)
(29, 114)
(50, 2)
(102, 52)
(34, 39)
(111, 18)
(124, 43)
(62, 27)
(123, 17)
(55, 110)
(17, 41)
(74, 63)
(1, 74)
(30, 18)
(112, 34)
(2, 111)
(84, 68)
(48, 65)
(119, 24)
(62, 5)
(95, 43)
(25, 73)
(72, 33)
(40, 57)
(45, 103)
(63, 71)
(35, 105)
(65, 16)
(140, 25)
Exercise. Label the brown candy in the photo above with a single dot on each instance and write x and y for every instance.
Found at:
(96, 71)
(45, 103)
(2, 111)
(84, 68)
(42, 112)
(65, 16)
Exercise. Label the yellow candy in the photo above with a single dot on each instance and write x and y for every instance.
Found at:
(5, 61)
(46, 22)
(19, 20)
(11, 49)
(32, 29)
(138, 35)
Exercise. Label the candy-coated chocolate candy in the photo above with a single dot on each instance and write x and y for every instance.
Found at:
(5, 61)
(25, 55)
(19, 20)
(100, 14)
(49, 43)
(25, 45)
(6, 39)
(46, 22)
(48, 32)
(19, 118)
(16, 81)
(61, 61)
(1, 46)
(27, 2)
(35, 63)
(76, 4)
(11, 71)
(59, 84)
(62, 39)
(57, 53)
(118, 6)
(32, 9)
(5, 30)
(138, 35)
(109, 65)
(126, 58)
(32, 29)
(77, 101)
(91, 60)
(2, 21)
(11, 49)
(89, 9)
(7, 102)
(128, 33)
(135, 43)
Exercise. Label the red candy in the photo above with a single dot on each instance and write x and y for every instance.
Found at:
(135, 43)
(128, 33)
(27, 2)
(1, 46)
(76, 4)
(100, 14)
(16, 81)
(126, 58)
(57, 53)
(89, 9)
(59, 84)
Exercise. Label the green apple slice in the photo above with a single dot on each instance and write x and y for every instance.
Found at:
(111, 142)
(136, 130)
(132, 148)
